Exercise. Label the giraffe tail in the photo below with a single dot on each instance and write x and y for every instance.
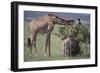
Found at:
(29, 42)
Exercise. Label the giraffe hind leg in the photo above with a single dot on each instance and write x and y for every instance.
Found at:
(34, 42)
(30, 46)
(30, 54)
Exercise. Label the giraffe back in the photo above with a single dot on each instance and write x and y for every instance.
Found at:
(39, 24)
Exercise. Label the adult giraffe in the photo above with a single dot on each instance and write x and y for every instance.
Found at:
(45, 25)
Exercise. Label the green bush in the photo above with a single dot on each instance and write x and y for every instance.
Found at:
(80, 33)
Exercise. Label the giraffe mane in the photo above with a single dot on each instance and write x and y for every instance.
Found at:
(58, 17)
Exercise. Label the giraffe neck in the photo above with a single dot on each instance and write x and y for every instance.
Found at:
(63, 20)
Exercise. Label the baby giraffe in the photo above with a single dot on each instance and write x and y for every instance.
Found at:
(67, 44)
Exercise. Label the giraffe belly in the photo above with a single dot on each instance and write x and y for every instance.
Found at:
(43, 29)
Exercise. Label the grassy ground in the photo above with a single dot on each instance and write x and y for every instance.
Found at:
(56, 48)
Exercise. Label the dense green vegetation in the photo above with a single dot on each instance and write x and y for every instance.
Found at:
(79, 33)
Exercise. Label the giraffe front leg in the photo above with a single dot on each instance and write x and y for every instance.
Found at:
(49, 44)
(46, 43)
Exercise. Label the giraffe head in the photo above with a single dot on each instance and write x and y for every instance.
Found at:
(77, 21)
